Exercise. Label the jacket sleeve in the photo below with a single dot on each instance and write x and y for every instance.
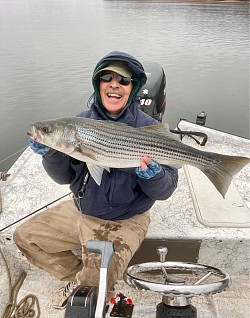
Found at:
(161, 186)
(59, 168)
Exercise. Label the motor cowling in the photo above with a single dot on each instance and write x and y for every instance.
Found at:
(153, 94)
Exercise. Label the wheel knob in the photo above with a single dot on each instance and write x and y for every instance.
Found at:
(162, 251)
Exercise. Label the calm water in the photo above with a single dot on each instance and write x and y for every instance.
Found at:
(50, 47)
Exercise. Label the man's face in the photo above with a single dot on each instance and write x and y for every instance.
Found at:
(114, 95)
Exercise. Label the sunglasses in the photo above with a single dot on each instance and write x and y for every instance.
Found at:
(108, 77)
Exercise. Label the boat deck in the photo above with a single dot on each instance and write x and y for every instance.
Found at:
(196, 224)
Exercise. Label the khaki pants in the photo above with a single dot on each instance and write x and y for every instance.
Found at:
(47, 241)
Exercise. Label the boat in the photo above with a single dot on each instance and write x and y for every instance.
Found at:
(195, 228)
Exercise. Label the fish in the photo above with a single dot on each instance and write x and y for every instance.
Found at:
(104, 144)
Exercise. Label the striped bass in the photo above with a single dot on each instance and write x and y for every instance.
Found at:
(106, 144)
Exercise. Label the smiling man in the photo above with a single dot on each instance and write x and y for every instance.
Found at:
(115, 87)
(117, 210)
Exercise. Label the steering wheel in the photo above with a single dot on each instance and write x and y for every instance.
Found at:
(177, 278)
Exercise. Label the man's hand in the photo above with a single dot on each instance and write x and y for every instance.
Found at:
(38, 148)
(148, 168)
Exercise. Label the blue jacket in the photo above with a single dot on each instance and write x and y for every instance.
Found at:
(122, 194)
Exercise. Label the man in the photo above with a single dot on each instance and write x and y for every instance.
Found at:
(117, 210)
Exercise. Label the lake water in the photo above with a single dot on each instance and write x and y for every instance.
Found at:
(50, 47)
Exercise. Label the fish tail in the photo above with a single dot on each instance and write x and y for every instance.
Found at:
(221, 172)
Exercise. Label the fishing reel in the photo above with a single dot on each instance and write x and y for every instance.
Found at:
(178, 282)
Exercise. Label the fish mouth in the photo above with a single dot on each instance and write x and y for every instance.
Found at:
(35, 134)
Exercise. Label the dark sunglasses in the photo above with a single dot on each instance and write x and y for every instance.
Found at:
(108, 77)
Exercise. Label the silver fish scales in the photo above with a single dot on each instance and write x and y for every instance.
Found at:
(121, 147)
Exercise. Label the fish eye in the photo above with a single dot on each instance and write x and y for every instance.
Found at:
(45, 129)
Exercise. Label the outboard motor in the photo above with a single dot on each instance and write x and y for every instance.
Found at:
(153, 93)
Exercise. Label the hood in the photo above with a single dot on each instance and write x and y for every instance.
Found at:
(139, 76)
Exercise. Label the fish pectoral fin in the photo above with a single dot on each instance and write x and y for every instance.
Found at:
(161, 129)
(107, 168)
(95, 172)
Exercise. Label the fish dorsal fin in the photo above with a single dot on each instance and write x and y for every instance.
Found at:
(161, 129)
(96, 172)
